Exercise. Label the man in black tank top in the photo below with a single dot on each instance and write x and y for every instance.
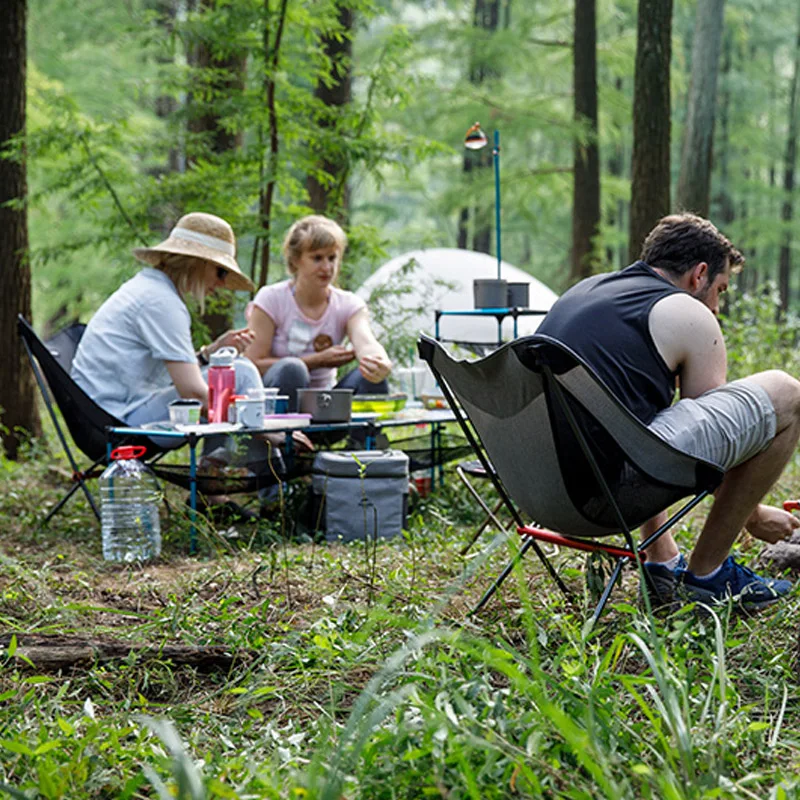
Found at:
(651, 329)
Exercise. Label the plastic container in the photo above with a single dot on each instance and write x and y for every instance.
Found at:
(221, 383)
(185, 411)
(379, 403)
(268, 395)
(129, 497)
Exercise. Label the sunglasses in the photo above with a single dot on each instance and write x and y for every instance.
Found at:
(222, 273)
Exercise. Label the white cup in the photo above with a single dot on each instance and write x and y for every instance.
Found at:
(250, 412)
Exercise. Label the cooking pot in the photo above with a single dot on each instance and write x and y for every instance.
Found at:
(325, 405)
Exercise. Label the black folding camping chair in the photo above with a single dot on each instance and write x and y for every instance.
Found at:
(562, 450)
(88, 425)
(86, 422)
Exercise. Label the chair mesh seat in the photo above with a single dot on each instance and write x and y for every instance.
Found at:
(561, 448)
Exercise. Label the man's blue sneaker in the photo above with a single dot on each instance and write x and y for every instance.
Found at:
(660, 582)
(745, 588)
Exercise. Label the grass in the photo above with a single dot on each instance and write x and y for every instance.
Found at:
(359, 672)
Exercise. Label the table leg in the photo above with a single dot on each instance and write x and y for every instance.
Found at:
(433, 455)
(193, 494)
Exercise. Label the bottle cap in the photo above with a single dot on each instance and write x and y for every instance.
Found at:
(128, 451)
(224, 357)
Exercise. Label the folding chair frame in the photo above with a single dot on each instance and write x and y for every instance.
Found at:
(491, 513)
(79, 477)
(532, 534)
(472, 438)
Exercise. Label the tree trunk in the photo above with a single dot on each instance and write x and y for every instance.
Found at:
(789, 162)
(651, 121)
(55, 653)
(18, 411)
(485, 17)
(225, 76)
(695, 175)
(332, 193)
(586, 160)
(725, 201)
(229, 71)
(166, 104)
(268, 177)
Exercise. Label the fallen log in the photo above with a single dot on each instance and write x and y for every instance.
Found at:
(51, 653)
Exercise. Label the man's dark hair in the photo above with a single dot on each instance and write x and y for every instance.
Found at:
(679, 241)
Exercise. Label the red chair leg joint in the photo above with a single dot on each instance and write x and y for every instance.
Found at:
(576, 544)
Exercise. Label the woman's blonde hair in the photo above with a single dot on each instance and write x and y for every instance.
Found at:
(314, 232)
(188, 273)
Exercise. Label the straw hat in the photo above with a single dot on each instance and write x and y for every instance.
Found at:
(202, 236)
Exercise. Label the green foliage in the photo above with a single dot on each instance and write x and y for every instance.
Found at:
(359, 674)
(395, 316)
(758, 337)
(101, 178)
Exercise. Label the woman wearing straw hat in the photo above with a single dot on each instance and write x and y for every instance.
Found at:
(136, 355)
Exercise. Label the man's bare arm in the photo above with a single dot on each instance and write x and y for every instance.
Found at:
(689, 339)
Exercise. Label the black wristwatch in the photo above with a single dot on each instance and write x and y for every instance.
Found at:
(202, 358)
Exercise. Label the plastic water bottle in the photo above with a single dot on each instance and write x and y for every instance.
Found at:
(129, 497)
(221, 383)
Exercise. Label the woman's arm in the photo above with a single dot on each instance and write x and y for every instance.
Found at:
(260, 351)
(188, 381)
(239, 339)
(373, 362)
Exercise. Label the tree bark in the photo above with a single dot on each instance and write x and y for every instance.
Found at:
(56, 653)
(332, 192)
(586, 160)
(789, 163)
(224, 77)
(727, 211)
(695, 174)
(485, 17)
(268, 173)
(18, 411)
(651, 121)
(166, 104)
(204, 117)
(617, 253)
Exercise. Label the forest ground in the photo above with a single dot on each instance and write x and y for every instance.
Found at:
(306, 627)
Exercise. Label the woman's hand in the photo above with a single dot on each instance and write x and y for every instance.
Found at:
(375, 368)
(334, 356)
(239, 339)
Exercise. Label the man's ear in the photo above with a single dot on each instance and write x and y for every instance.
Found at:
(698, 275)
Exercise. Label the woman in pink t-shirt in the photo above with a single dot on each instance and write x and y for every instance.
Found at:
(300, 323)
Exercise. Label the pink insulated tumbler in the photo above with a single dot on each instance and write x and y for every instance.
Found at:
(221, 383)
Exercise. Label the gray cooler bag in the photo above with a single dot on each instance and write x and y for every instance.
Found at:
(360, 493)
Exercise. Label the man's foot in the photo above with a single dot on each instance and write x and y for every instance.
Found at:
(660, 582)
(733, 582)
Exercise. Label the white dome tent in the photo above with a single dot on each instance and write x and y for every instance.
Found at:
(457, 268)
(441, 278)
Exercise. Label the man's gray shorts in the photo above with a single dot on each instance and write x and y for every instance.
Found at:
(727, 425)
